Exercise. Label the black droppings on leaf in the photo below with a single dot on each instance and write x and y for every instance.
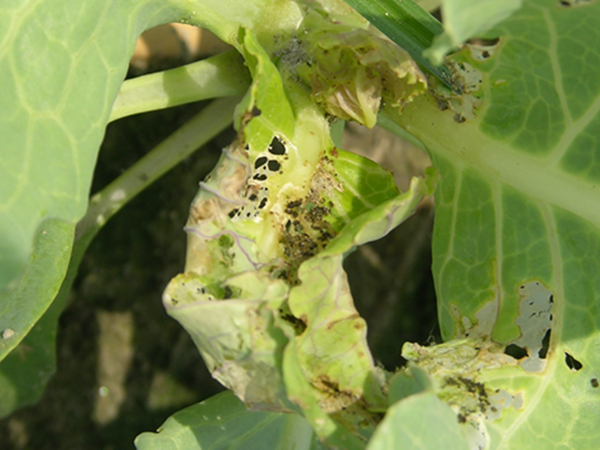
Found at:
(594, 382)
(260, 177)
(572, 363)
(442, 104)
(262, 203)
(293, 208)
(256, 112)
(232, 213)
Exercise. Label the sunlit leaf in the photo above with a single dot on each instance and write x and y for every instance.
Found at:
(517, 231)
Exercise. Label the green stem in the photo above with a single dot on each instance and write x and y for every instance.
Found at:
(219, 76)
(203, 127)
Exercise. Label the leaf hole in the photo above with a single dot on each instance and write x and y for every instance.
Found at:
(276, 147)
(515, 351)
(260, 161)
(572, 363)
(545, 345)
(273, 165)
(484, 42)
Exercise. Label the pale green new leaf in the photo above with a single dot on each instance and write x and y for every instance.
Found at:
(264, 285)
(352, 71)
(224, 423)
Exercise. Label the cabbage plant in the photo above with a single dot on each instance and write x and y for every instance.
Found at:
(503, 96)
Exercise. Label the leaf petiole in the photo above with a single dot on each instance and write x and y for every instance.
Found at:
(221, 75)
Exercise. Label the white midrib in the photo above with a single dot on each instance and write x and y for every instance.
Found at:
(465, 144)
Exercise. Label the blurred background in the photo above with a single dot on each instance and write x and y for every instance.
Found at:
(123, 365)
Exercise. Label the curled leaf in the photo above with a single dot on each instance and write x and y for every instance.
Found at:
(353, 72)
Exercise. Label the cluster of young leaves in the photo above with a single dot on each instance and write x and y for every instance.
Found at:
(517, 219)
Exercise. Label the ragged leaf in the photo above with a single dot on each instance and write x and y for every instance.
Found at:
(466, 19)
(517, 231)
(352, 72)
(332, 349)
(267, 233)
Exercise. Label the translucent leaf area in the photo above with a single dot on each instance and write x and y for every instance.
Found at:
(224, 422)
(517, 233)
